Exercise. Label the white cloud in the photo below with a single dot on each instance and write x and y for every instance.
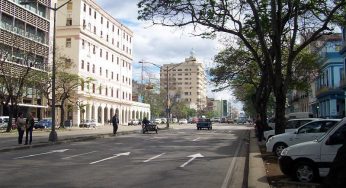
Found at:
(162, 45)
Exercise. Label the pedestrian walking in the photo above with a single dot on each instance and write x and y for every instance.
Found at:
(30, 122)
(115, 122)
(259, 128)
(20, 122)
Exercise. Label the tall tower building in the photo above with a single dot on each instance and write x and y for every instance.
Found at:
(25, 43)
(186, 81)
(101, 49)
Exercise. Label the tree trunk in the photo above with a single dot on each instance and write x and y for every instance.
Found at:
(262, 96)
(62, 115)
(13, 113)
(280, 121)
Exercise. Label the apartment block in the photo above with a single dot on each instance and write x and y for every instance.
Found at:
(101, 49)
(25, 32)
(185, 81)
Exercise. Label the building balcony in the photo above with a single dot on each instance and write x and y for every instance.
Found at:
(326, 91)
(23, 43)
(21, 13)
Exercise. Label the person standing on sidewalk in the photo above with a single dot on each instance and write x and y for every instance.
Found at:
(30, 122)
(20, 127)
(115, 122)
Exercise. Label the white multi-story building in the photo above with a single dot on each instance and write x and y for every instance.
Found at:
(187, 81)
(101, 49)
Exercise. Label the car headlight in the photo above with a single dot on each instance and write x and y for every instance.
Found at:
(284, 152)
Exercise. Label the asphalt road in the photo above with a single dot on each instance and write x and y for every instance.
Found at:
(182, 157)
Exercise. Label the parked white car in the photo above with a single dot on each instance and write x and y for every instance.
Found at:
(158, 121)
(291, 126)
(307, 132)
(182, 121)
(309, 160)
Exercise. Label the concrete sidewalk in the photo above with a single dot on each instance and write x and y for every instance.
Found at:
(257, 173)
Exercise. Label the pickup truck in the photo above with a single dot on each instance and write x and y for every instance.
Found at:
(204, 124)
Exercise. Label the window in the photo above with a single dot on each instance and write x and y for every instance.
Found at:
(107, 24)
(88, 66)
(106, 73)
(100, 52)
(93, 71)
(107, 38)
(89, 11)
(100, 71)
(95, 30)
(68, 42)
(101, 33)
(82, 66)
(112, 92)
(83, 45)
(69, 6)
(82, 85)
(95, 14)
(101, 20)
(113, 41)
(112, 28)
(118, 60)
(117, 93)
(117, 77)
(84, 24)
(112, 58)
(313, 127)
(68, 21)
(100, 90)
(106, 91)
(94, 49)
(93, 88)
(84, 7)
(106, 55)
(112, 75)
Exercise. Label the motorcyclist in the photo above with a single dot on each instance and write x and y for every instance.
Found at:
(145, 122)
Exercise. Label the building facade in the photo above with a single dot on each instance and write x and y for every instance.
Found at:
(186, 81)
(101, 49)
(25, 32)
(329, 94)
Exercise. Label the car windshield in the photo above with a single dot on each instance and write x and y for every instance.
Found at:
(325, 134)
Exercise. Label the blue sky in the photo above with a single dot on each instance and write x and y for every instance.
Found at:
(161, 45)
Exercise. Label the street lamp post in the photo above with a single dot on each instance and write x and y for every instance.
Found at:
(167, 88)
(53, 136)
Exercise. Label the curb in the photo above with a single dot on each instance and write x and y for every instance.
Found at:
(257, 174)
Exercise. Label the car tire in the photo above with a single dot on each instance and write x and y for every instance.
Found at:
(305, 171)
(278, 147)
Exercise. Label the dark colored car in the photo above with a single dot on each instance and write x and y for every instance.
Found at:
(43, 124)
(204, 124)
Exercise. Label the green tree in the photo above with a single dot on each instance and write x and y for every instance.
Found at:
(281, 29)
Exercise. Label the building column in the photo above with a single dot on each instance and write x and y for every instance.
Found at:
(333, 108)
(88, 111)
(76, 116)
(102, 115)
